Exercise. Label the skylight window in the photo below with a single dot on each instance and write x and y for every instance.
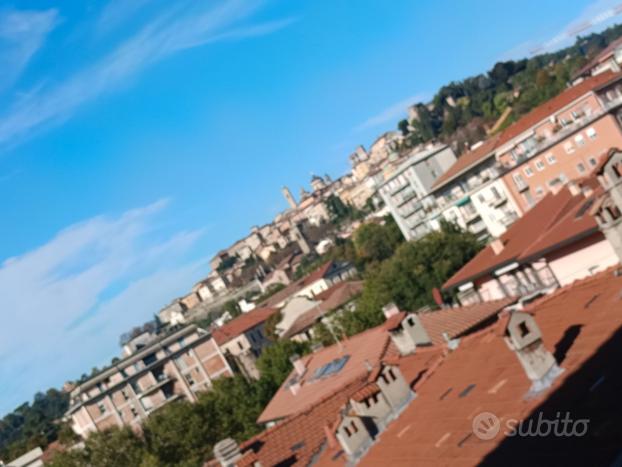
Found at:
(331, 368)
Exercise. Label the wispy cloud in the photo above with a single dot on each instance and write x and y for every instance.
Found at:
(596, 16)
(165, 35)
(391, 113)
(22, 33)
(117, 12)
(70, 299)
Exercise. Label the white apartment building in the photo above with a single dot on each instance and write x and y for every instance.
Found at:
(406, 191)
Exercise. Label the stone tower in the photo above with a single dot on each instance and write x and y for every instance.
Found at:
(289, 197)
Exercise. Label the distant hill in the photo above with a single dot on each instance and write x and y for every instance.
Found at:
(462, 113)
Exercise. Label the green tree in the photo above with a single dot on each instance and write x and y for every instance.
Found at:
(374, 242)
(233, 308)
(274, 363)
(409, 276)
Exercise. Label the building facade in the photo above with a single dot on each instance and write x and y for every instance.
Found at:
(157, 371)
(406, 192)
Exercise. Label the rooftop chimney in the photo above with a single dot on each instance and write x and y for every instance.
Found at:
(574, 188)
(497, 246)
(390, 309)
(299, 365)
(227, 452)
(523, 336)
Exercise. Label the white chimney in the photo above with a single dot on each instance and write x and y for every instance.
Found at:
(299, 365)
(574, 188)
(294, 387)
(497, 246)
(227, 452)
(390, 309)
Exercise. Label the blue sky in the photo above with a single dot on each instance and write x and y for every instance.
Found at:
(137, 137)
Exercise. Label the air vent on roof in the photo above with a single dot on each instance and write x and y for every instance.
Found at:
(466, 390)
(464, 440)
(298, 445)
(445, 394)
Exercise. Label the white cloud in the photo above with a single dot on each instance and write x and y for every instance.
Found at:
(391, 113)
(64, 304)
(22, 33)
(167, 34)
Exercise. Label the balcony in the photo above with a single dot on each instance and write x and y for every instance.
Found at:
(406, 197)
(509, 219)
(496, 202)
(171, 398)
(161, 381)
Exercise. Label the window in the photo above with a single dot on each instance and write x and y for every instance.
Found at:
(181, 342)
(189, 379)
(528, 171)
(495, 192)
(524, 330)
(550, 158)
(581, 168)
(539, 165)
(481, 198)
(591, 133)
(593, 162)
(353, 427)
(518, 180)
(102, 408)
(124, 394)
(391, 374)
(568, 147)
(580, 140)
(528, 198)
(134, 411)
(181, 363)
(410, 321)
(240, 345)
(539, 191)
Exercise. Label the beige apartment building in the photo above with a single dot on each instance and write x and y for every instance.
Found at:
(155, 371)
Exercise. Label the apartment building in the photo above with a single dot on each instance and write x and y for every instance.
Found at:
(156, 370)
(472, 194)
(406, 191)
(563, 139)
(551, 246)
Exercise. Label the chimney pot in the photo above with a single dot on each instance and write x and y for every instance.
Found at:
(390, 309)
(497, 246)
(299, 365)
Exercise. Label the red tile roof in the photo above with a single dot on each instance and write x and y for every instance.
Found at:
(603, 55)
(364, 349)
(244, 322)
(555, 104)
(300, 284)
(517, 239)
(457, 322)
(577, 224)
(582, 325)
(331, 299)
(467, 161)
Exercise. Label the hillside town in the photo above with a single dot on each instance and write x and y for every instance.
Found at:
(527, 326)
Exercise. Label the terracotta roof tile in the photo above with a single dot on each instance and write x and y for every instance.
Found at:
(582, 325)
(518, 238)
(331, 299)
(555, 104)
(467, 161)
(457, 322)
(241, 324)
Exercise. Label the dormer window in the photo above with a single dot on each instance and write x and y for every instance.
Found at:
(410, 321)
(351, 428)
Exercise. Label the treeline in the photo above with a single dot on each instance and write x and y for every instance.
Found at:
(462, 111)
(398, 271)
(182, 434)
(32, 425)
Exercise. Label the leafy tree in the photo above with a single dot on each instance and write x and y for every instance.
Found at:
(274, 363)
(374, 242)
(409, 276)
(233, 308)
(270, 329)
